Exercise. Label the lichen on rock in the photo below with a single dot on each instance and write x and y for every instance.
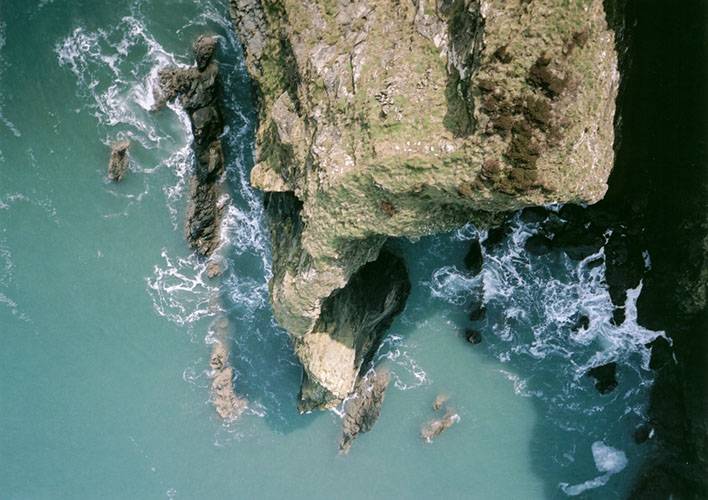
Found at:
(379, 118)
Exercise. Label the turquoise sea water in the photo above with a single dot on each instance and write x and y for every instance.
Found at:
(106, 317)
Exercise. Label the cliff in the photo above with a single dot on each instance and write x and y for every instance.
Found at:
(381, 118)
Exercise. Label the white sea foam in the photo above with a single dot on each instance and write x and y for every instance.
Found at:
(608, 460)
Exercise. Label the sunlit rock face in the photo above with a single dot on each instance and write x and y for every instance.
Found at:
(382, 118)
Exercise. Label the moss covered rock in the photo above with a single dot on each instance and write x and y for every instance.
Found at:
(387, 118)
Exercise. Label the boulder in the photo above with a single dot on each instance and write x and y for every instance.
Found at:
(364, 408)
(605, 375)
(204, 50)
(473, 336)
(439, 401)
(435, 427)
(118, 162)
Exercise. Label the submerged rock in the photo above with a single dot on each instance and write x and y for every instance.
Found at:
(204, 50)
(473, 336)
(213, 269)
(349, 330)
(435, 427)
(118, 162)
(439, 401)
(364, 408)
(225, 401)
(197, 90)
(605, 376)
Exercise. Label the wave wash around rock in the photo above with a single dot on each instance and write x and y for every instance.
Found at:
(380, 118)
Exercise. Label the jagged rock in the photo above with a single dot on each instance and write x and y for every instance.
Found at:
(219, 355)
(223, 397)
(197, 90)
(605, 376)
(364, 408)
(225, 402)
(477, 310)
(496, 235)
(118, 162)
(473, 336)
(660, 352)
(618, 316)
(204, 50)
(581, 323)
(474, 259)
(344, 137)
(434, 428)
(625, 266)
(213, 269)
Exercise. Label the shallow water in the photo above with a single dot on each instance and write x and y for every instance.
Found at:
(107, 318)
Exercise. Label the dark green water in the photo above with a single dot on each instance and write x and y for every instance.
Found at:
(106, 317)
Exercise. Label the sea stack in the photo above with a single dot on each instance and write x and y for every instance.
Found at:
(519, 103)
(197, 88)
(118, 163)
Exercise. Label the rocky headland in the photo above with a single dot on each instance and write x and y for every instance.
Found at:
(383, 119)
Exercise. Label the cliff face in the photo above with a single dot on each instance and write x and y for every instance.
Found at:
(382, 118)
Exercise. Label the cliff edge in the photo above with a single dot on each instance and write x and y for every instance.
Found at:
(380, 118)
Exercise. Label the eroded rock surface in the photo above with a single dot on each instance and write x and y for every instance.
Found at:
(435, 427)
(118, 162)
(364, 408)
(518, 101)
(197, 91)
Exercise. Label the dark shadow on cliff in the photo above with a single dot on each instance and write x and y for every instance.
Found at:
(657, 202)
(660, 188)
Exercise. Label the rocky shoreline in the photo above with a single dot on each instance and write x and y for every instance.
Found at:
(520, 107)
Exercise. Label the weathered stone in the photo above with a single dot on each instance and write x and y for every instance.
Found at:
(538, 244)
(364, 408)
(118, 162)
(197, 89)
(204, 50)
(213, 269)
(348, 330)
(474, 259)
(660, 352)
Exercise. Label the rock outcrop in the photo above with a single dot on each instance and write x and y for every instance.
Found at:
(226, 403)
(380, 118)
(605, 376)
(197, 90)
(364, 408)
(437, 426)
(118, 162)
